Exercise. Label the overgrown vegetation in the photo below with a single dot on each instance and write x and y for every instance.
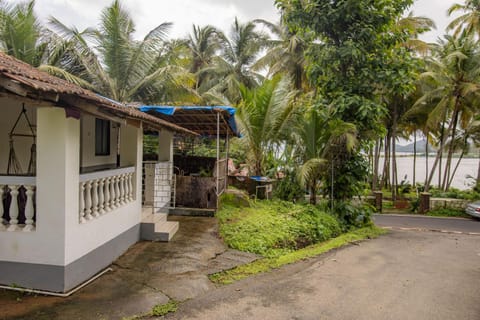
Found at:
(267, 264)
(446, 212)
(273, 228)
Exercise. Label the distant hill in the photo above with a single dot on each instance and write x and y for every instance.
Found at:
(409, 148)
(421, 145)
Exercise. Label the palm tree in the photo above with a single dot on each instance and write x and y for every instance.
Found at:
(265, 115)
(233, 66)
(321, 141)
(21, 32)
(469, 22)
(285, 55)
(450, 85)
(22, 36)
(119, 66)
(413, 26)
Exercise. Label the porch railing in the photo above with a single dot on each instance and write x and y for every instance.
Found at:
(17, 207)
(105, 191)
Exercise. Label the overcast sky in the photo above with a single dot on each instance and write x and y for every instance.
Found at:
(183, 13)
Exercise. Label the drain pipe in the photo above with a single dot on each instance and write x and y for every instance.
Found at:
(57, 294)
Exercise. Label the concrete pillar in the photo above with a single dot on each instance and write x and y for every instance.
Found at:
(424, 202)
(165, 146)
(378, 201)
(58, 162)
(131, 153)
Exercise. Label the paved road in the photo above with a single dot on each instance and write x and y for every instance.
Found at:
(428, 223)
(403, 275)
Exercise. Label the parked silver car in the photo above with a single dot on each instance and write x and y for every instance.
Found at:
(473, 209)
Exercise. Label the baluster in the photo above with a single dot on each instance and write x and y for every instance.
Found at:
(113, 194)
(107, 194)
(14, 209)
(121, 180)
(101, 196)
(2, 226)
(81, 204)
(117, 191)
(95, 198)
(29, 226)
(125, 186)
(88, 200)
(130, 186)
(127, 190)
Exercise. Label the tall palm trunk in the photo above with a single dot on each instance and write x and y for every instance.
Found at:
(446, 176)
(376, 160)
(478, 171)
(394, 153)
(450, 180)
(414, 156)
(427, 185)
(386, 164)
(443, 139)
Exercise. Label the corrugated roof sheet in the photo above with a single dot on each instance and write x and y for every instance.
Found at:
(200, 119)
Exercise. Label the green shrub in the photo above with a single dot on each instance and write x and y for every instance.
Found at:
(353, 216)
(272, 228)
(289, 189)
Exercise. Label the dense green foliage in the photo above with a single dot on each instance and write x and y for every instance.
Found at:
(271, 228)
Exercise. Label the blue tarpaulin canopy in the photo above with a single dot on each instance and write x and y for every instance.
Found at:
(200, 119)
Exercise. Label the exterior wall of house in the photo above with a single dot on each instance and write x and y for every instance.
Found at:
(10, 110)
(65, 249)
(88, 157)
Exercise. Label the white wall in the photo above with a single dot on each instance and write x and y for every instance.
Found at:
(57, 192)
(59, 238)
(10, 109)
(83, 238)
(88, 158)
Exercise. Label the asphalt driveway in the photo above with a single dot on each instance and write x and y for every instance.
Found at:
(403, 275)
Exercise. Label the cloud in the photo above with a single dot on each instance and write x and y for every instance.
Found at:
(147, 14)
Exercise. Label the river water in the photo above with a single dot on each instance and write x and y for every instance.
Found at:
(467, 167)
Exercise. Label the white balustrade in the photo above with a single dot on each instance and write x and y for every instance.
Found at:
(21, 192)
(104, 191)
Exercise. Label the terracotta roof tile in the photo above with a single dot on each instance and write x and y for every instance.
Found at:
(39, 81)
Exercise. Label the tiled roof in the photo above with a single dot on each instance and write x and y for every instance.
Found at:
(35, 81)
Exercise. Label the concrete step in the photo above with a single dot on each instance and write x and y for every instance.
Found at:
(166, 230)
(161, 230)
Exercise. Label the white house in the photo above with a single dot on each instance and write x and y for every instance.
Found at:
(70, 178)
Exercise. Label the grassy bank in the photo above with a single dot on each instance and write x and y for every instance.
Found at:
(272, 228)
(268, 264)
(281, 232)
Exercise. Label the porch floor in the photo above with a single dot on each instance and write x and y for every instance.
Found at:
(146, 275)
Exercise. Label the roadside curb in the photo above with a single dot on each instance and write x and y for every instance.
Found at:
(419, 216)
(431, 230)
